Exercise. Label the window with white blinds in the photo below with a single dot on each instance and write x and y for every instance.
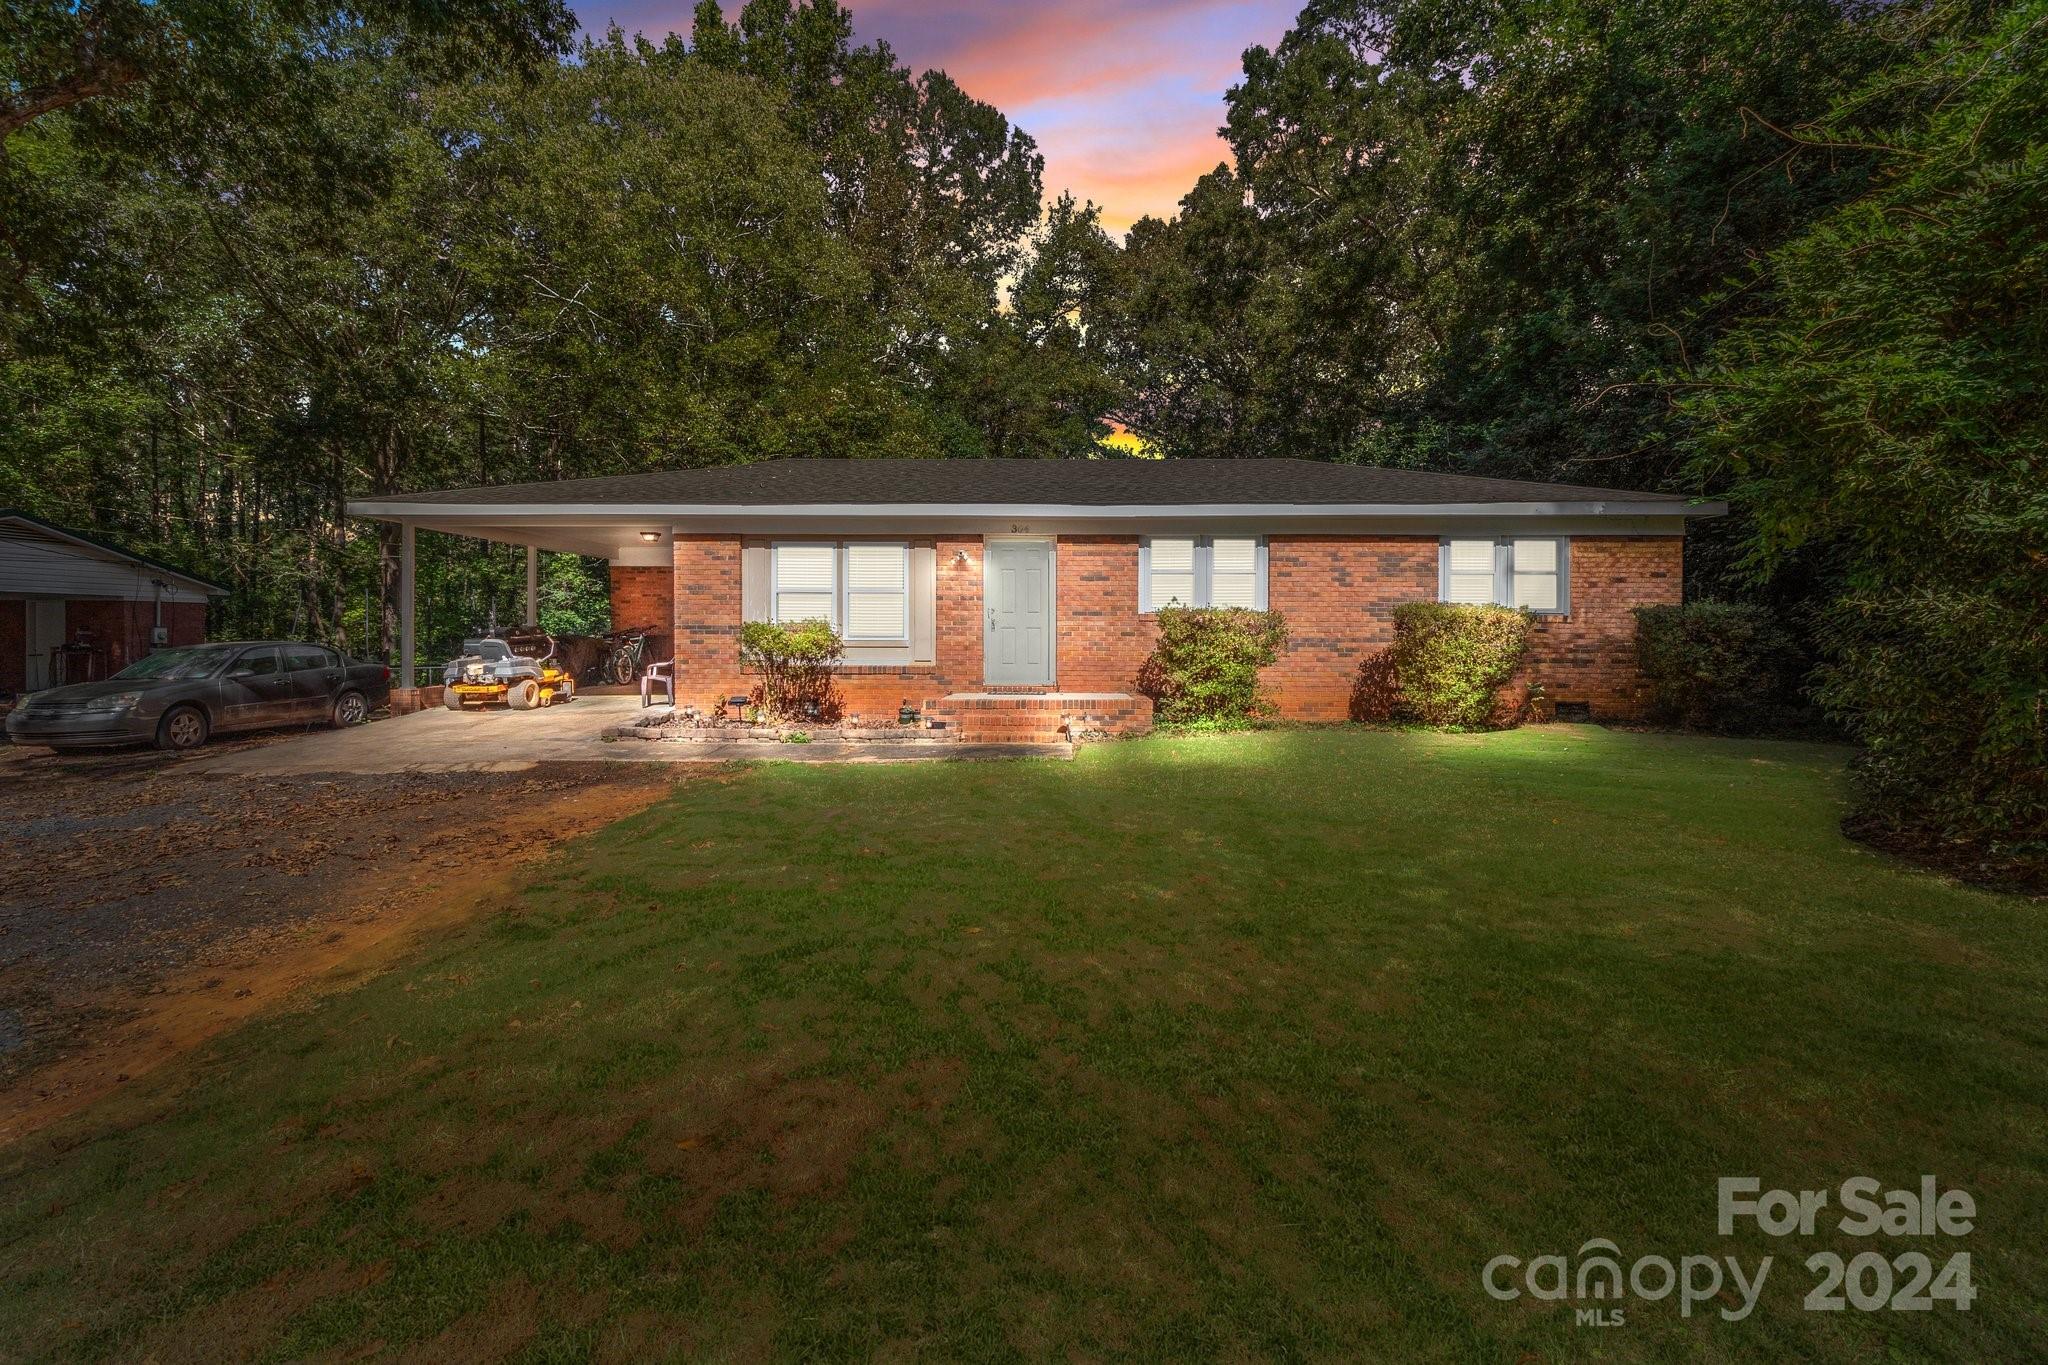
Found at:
(806, 583)
(1201, 571)
(1469, 572)
(861, 587)
(1172, 575)
(1532, 572)
(877, 592)
(1233, 573)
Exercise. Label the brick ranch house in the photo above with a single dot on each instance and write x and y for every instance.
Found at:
(77, 609)
(968, 586)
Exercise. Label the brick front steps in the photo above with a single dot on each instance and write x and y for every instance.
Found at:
(1040, 718)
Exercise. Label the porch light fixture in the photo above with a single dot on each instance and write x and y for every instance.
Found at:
(650, 536)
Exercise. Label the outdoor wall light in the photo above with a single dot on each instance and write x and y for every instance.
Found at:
(650, 536)
(959, 556)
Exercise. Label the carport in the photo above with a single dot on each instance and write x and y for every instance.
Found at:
(634, 542)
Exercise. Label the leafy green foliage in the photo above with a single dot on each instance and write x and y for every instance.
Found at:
(795, 661)
(575, 596)
(1723, 666)
(1205, 669)
(1888, 413)
(1461, 234)
(1451, 661)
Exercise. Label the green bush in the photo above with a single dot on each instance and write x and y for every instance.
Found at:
(1205, 669)
(1948, 691)
(1722, 666)
(1450, 661)
(795, 662)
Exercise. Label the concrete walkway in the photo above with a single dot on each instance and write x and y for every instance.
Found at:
(500, 740)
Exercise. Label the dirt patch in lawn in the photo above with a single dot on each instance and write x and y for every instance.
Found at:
(145, 909)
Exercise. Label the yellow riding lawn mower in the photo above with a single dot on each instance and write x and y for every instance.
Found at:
(519, 671)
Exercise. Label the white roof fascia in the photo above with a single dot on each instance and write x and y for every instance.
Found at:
(394, 509)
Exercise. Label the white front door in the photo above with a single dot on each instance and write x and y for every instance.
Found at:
(1017, 591)
(44, 633)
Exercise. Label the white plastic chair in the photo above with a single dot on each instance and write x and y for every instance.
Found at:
(662, 675)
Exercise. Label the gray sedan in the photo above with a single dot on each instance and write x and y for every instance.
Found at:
(175, 698)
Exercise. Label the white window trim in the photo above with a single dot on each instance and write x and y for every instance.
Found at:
(1504, 570)
(838, 591)
(1204, 567)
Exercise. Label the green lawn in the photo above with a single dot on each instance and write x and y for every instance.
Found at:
(1245, 1047)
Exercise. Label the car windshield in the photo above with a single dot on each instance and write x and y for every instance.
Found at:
(193, 661)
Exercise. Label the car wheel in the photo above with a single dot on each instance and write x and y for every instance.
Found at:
(350, 709)
(523, 695)
(183, 727)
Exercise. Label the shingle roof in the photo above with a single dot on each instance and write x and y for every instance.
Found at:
(1074, 483)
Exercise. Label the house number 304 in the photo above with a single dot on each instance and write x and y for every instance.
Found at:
(1018, 528)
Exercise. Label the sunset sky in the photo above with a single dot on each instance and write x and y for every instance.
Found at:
(1124, 96)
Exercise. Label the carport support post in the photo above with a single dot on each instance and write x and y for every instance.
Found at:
(405, 670)
(532, 586)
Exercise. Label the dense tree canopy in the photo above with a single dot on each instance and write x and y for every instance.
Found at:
(1463, 234)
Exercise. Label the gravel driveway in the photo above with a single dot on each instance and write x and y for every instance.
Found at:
(147, 901)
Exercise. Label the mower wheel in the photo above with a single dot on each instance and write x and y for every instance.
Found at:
(566, 691)
(523, 695)
(451, 699)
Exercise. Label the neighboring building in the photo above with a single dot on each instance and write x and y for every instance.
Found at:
(950, 579)
(76, 609)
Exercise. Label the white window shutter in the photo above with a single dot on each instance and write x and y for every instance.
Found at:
(1233, 573)
(877, 592)
(1173, 573)
(1468, 572)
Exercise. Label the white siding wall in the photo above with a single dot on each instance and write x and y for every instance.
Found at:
(35, 565)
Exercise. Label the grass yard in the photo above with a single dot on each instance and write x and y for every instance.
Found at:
(1245, 1047)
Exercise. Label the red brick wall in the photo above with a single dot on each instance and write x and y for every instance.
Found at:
(707, 617)
(642, 596)
(1338, 594)
(645, 595)
(1589, 656)
(122, 629)
(1102, 639)
(13, 643)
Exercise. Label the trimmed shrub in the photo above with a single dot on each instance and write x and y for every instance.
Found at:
(795, 662)
(1205, 669)
(1723, 666)
(1451, 661)
(1948, 692)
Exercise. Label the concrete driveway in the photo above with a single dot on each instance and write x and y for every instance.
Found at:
(492, 740)
(499, 740)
